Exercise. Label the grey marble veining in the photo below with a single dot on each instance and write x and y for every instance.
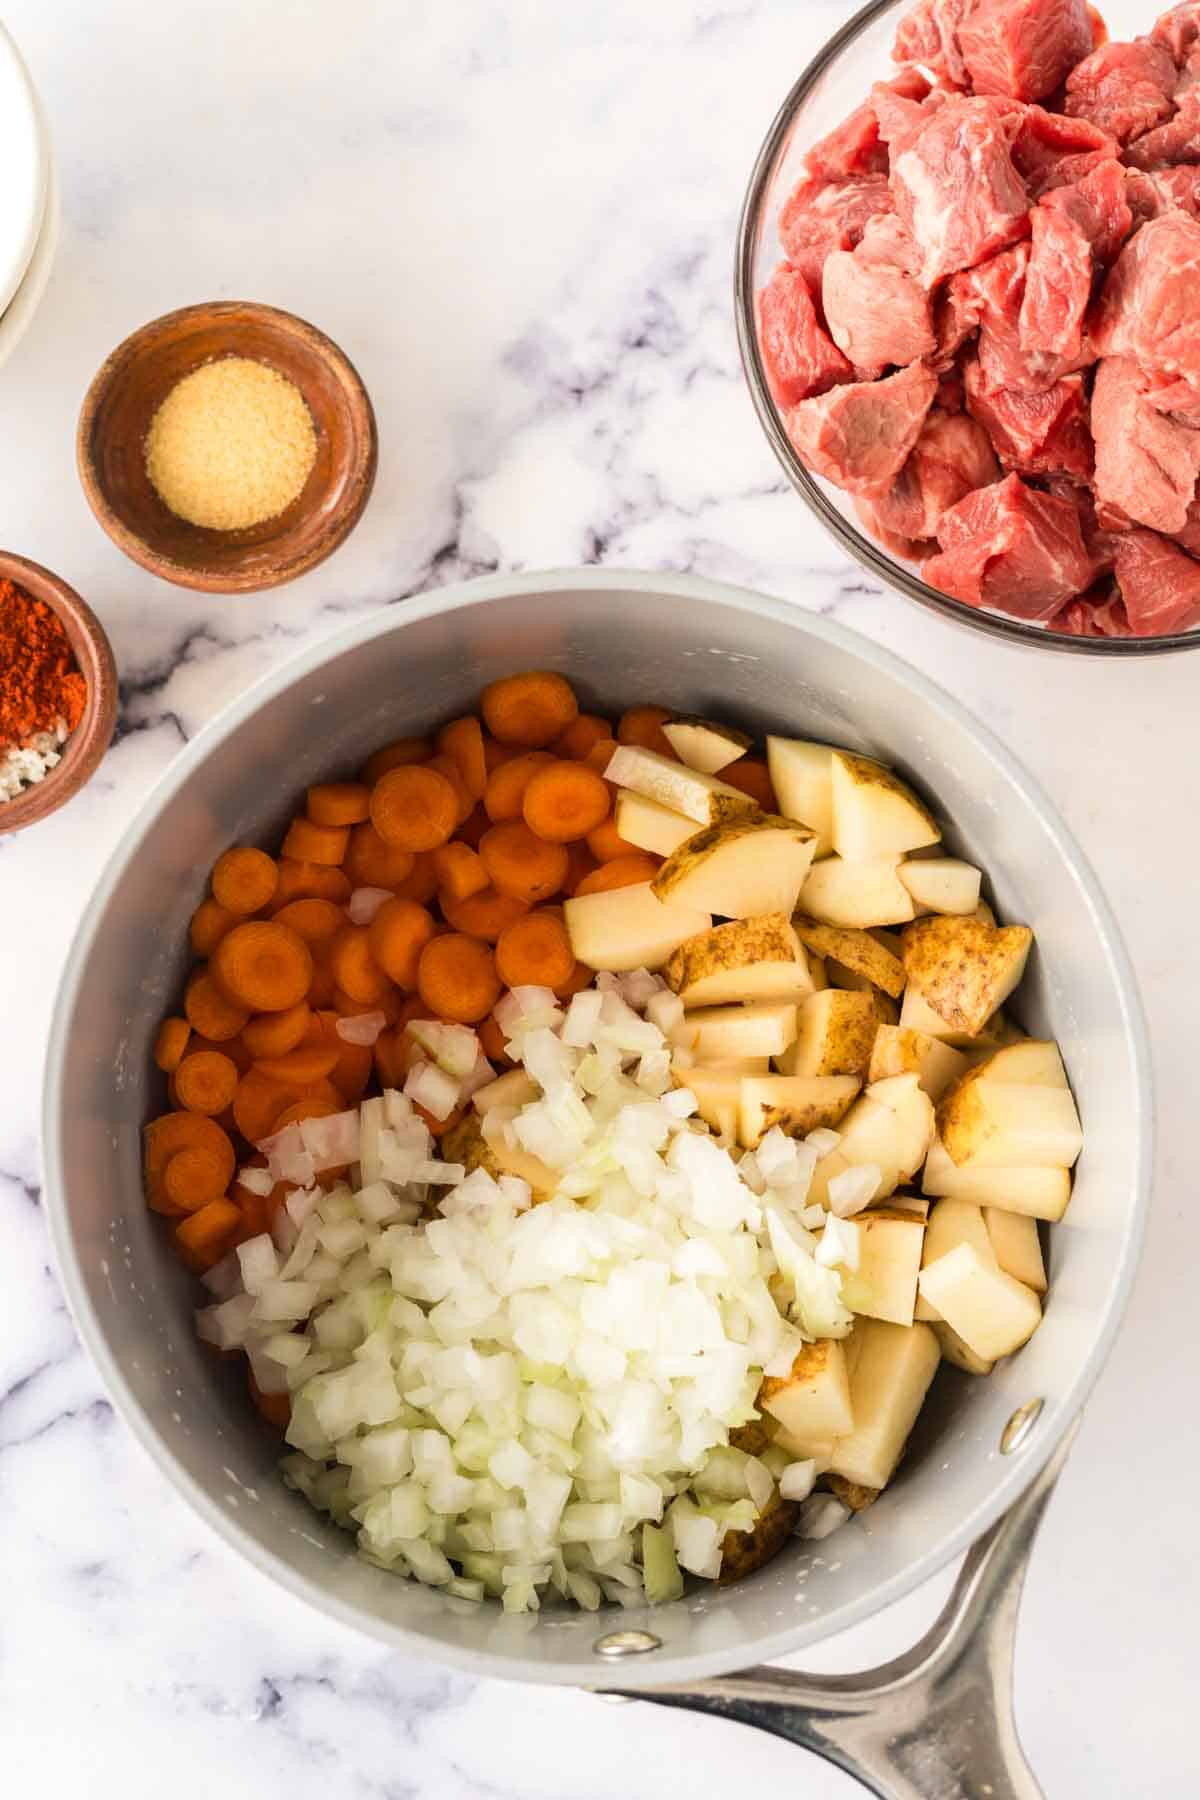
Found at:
(518, 221)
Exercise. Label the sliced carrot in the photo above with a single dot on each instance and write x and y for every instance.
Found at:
(395, 756)
(276, 1409)
(257, 1103)
(580, 862)
(446, 765)
(395, 1052)
(531, 709)
(297, 1111)
(565, 800)
(313, 1058)
(316, 921)
(601, 754)
(310, 880)
(396, 937)
(244, 880)
(581, 734)
(339, 803)
(274, 1034)
(354, 968)
(258, 1210)
(210, 1010)
(206, 1081)
(535, 952)
(643, 726)
(504, 795)
(462, 740)
(471, 829)
(421, 884)
(457, 978)
(606, 842)
(192, 1178)
(493, 1041)
(494, 754)
(483, 915)
(370, 862)
(460, 870)
(414, 808)
(321, 844)
(439, 1127)
(322, 985)
(580, 977)
(264, 966)
(351, 1072)
(751, 775)
(623, 871)
(170, 1044)
(203, 1238)
(388, 1003)
(167, 1136)
(210, 922)
(234, 1048)
(520, 864)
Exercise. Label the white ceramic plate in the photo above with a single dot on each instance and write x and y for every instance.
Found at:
(15, 320)
(25, 160)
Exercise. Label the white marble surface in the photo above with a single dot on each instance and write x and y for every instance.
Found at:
(518, 220)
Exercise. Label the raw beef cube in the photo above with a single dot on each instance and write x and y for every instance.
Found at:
(1146, 463)
(858, 146)
(1099, 543)
(1058, 286)
(1099, 204)
(1126, 88)
(1189, 537)
(1162, 191)
(1179, 399)
(799, 357)
(1178, 31)
(859, 436)
(956, 315)
(950, 459)
(1049, 150)
(1043, 433)
(820, 216)
(1147, 308)
(1006, 361)
(1011, 547)
(1159, 582)
(1024, 48)
(929, 35)
(889, 244)
(1176, 142)
(949, 394)
(956, 189)
(1100, 613)
(913, 550)
(902, 116)
(876, 316)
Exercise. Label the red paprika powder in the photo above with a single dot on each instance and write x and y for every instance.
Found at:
(39, 683)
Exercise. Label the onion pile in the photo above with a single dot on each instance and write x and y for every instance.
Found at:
(514, 1399)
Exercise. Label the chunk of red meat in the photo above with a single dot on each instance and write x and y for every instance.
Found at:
(902, 116)
(1189, 537)
(1159, 583)
(876, 315)
(1049, 150)
(799, 357)
(1126, 88)
(1179, 399)
(1099, 204)
(820, 216)
(1023, 48)
(951, 458)
(950, 391)
(889, 243)
(913, 550)
(1146, 463)
(1058, 286)
(1097, 614)
(956, 189)
(1178, 30)
(929, 35)
(860, 436)
(1099, 543)
(1006, 362)
(1040, 433)
(1150, 195)
(1147, 307)
(1011, 547)
(956, 315)
(857, 146)
(1176, 142)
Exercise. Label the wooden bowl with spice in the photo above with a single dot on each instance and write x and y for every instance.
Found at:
(228, 447)
(58, 692)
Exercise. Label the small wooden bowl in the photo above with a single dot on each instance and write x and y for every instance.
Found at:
(136, 379)
(86, 745)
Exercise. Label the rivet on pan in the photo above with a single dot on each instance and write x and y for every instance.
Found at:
(1020, 1426)
(626, 1643)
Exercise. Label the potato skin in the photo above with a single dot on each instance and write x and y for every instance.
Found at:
(856, 949)
(742, 1552)
(852, 1493)
(964, 968)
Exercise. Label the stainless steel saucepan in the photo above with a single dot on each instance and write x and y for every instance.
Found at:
(938, 1723)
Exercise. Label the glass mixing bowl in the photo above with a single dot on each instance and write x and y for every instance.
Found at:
(835, 82)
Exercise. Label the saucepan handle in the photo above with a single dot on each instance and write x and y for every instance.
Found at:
(935, 1724)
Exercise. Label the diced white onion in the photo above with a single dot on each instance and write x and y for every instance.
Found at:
(365, 902)
(361, 1028)
(797, 1480)
(256, 1180)
(854, 1189)
(432, 1088)
(820, 1516)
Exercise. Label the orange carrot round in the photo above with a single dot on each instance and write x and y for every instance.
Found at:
(170, 1134)
(606, 842)
(370, 862)
(354, 968)
(751, 775)
(421, 883)
(581, 734)
(494, 754)
(244, 879)
(170, 1044)
(264, 966)
(396, 937)
(580, 977)
(234, 1048)
(460, 869)
(522, 865)
(530, 709)
(210, 1010)
(313, 1058)
(462, 741)
(339, 803)
(643, 726)
(446, 765)
(601, 754)
(316, 921)
(309, 880)
(493, 1041)
(414, 808)
(274, 1034)
(580, 862)
(535, 952)
(623, 871)
(504, 795)
(192, 1178)
(204, 1236)
(352, 1070)
(483, 915)
(205, 1081)
(298, 1110)
(395, 756)
(321, 844)
(565, 800)
(210, 922)
(347, 1006)
(457, 978)
(322, 985)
